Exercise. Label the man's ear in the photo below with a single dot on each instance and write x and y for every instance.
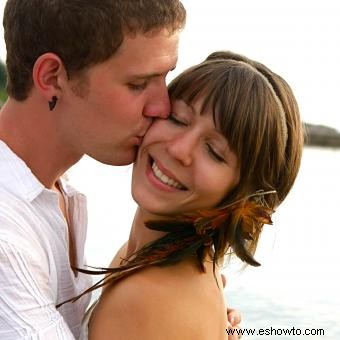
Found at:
(48, 71)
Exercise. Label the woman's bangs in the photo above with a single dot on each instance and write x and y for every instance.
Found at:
(191, 88)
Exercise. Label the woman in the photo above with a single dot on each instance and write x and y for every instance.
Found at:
(206, 180)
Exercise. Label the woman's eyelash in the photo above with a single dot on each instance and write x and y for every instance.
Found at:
(176, 120)
(215, 154)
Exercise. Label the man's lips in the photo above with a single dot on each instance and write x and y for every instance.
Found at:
(138, 140)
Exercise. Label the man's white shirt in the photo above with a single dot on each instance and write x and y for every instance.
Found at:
(35, 272)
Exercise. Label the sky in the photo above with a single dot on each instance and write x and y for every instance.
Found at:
(298, 39)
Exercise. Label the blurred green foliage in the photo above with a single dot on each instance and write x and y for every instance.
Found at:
(3, 77)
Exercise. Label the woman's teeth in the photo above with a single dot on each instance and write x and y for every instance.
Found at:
(165, 179)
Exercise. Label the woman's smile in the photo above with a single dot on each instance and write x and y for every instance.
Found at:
(162, 178)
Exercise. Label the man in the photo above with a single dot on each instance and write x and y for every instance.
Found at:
(84, 77)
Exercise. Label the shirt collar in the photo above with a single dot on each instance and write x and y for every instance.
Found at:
(18, 178)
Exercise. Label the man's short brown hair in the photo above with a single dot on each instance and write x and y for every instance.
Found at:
(81, 32)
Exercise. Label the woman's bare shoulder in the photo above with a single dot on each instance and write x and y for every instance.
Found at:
(177, 302)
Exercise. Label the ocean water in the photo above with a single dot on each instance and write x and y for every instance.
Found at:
(299, 280)
(297, 285)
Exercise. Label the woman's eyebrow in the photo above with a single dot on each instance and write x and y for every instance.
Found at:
(192, 109)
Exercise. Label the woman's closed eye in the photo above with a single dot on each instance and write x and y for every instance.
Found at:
(176, 120)
(216, 155)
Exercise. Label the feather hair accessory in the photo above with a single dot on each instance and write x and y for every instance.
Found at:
(195, 235)
(253, 213)
(241, 221)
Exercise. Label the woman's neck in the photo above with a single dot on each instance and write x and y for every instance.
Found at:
(140, 234)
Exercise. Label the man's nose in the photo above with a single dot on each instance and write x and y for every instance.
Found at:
(158, 104)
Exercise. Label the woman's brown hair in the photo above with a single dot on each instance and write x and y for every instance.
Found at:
(256, 111)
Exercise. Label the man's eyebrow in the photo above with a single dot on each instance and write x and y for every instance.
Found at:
(150, 75)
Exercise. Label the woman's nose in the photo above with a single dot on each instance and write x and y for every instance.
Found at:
(182, 147)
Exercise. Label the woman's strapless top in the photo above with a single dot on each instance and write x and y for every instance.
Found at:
(84, 333)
